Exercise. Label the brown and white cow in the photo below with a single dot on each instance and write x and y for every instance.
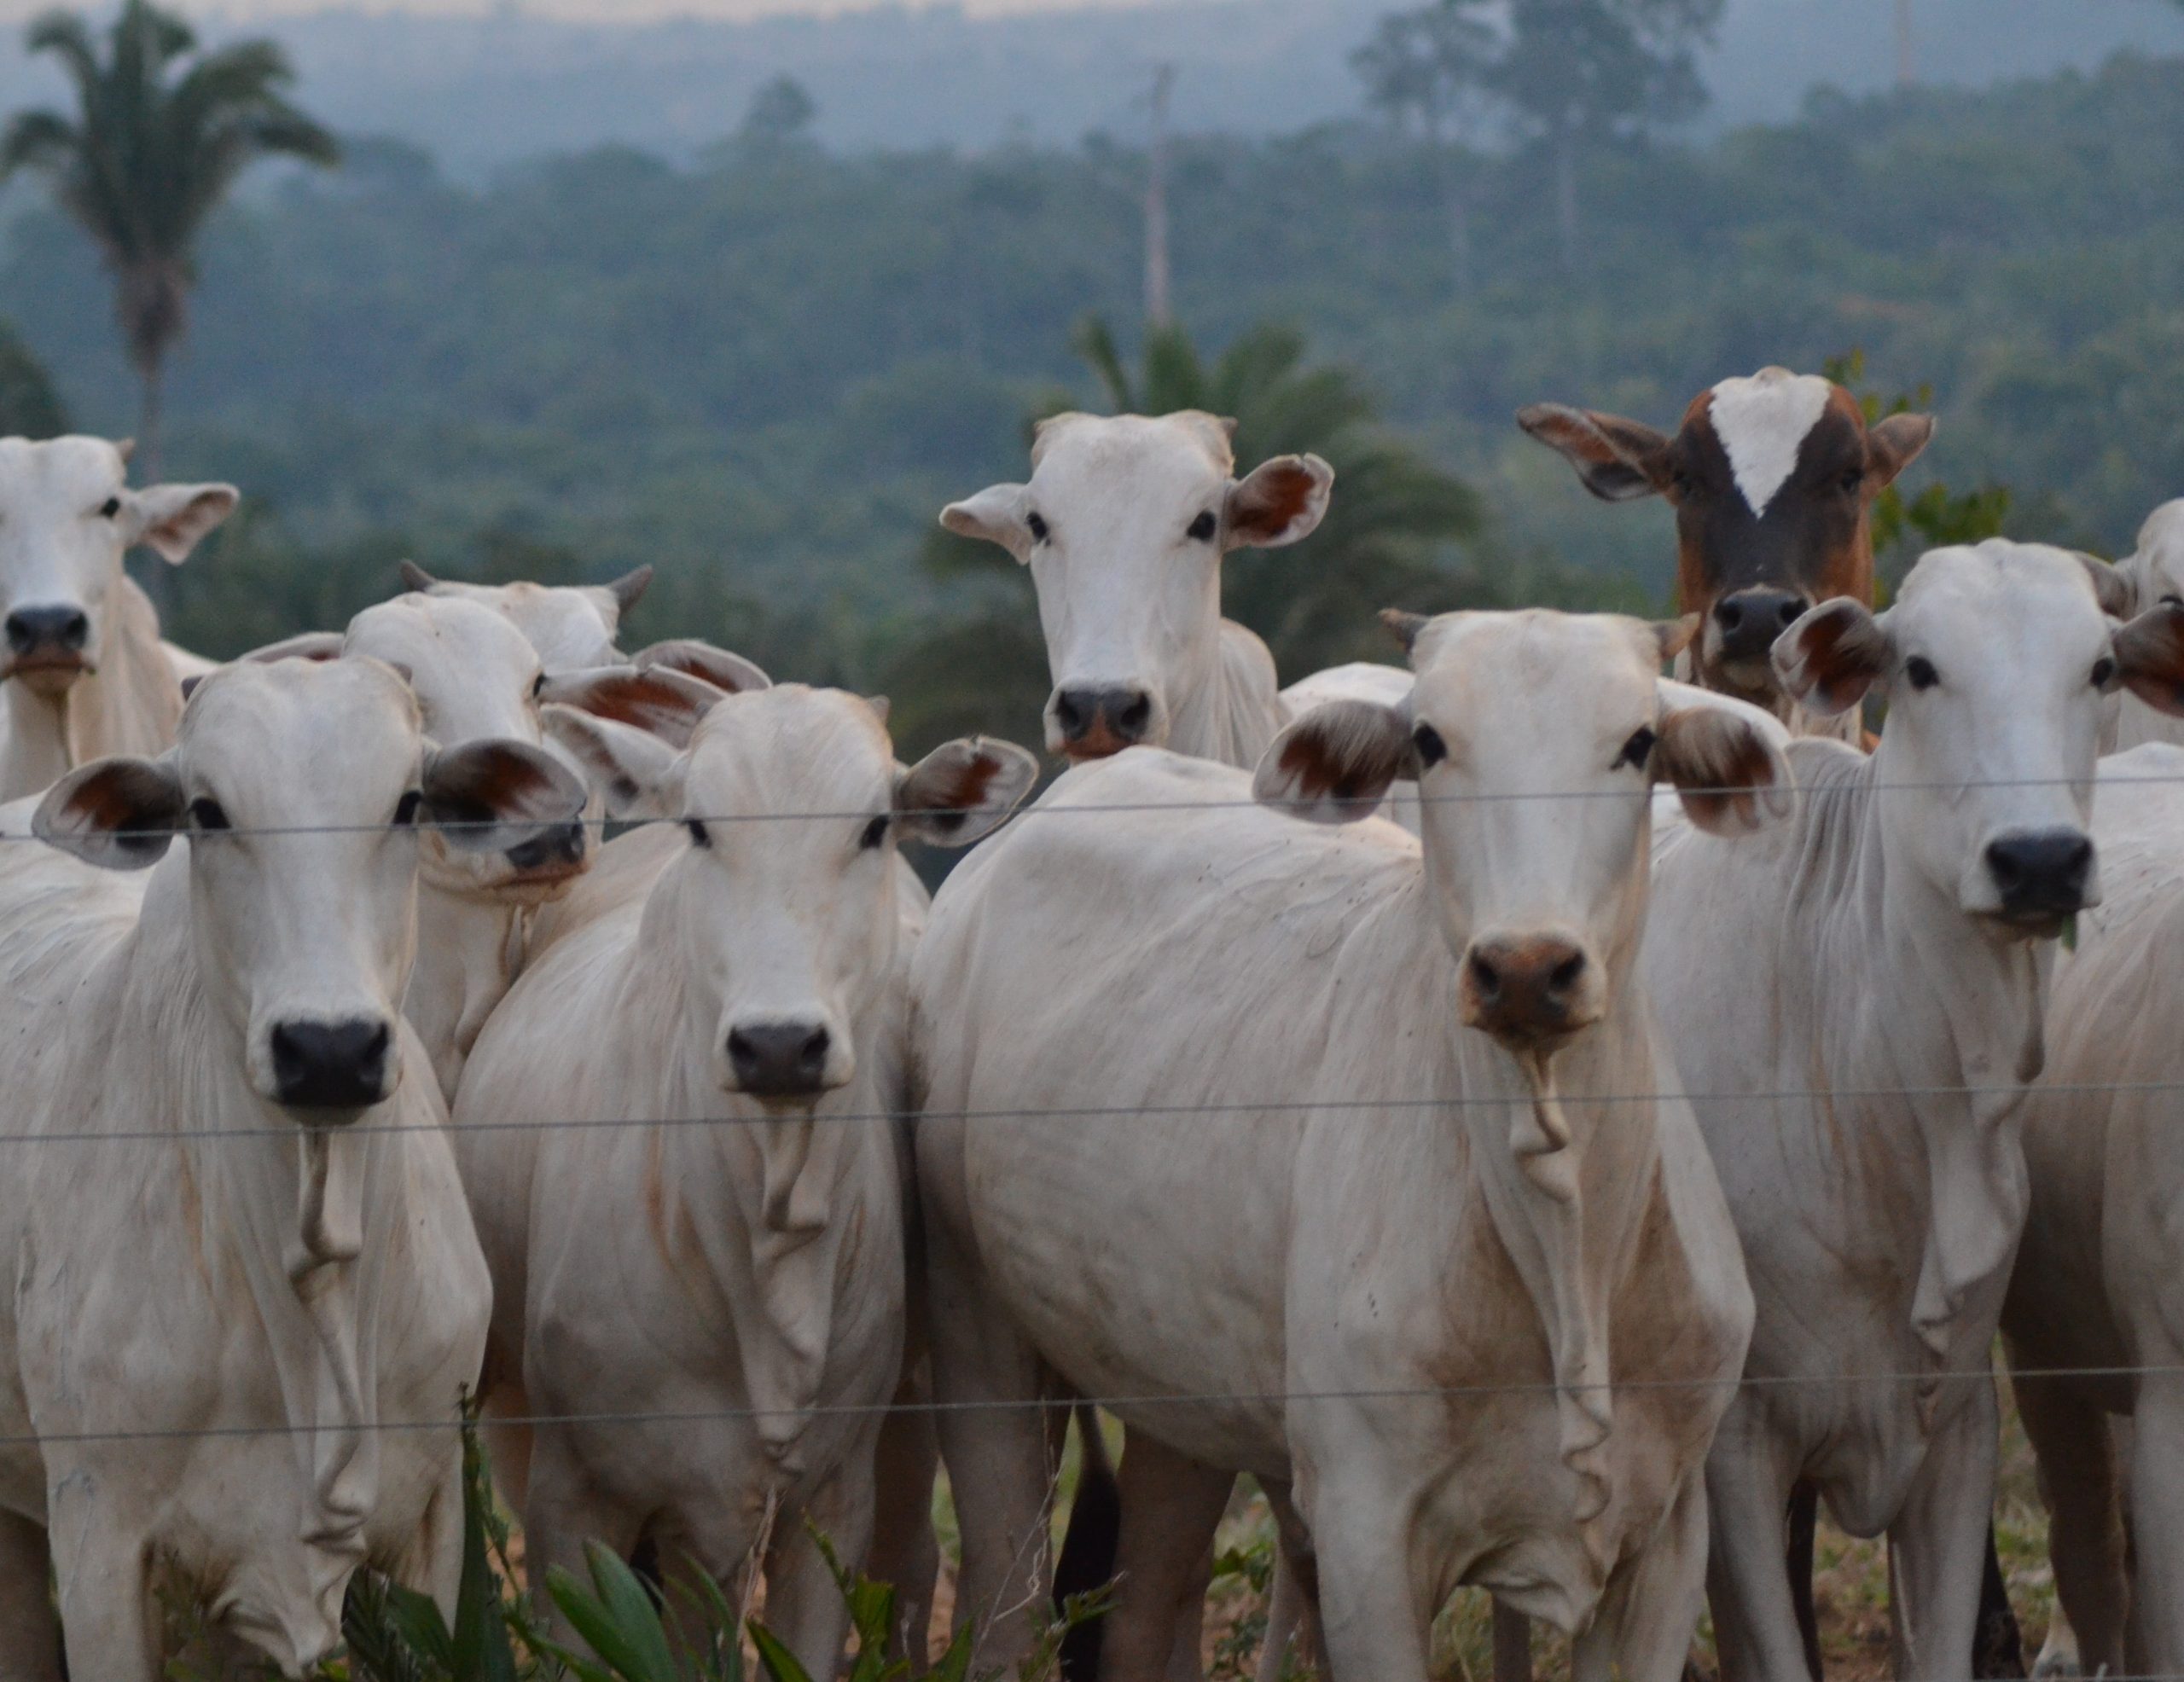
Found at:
(1773, 479)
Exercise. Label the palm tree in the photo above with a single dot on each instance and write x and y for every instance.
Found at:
(150, 154)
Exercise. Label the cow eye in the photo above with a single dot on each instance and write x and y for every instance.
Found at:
(538, 686)
(1038, 528)
(1853, 479)
(2104, 672)
(1920, 671)
(2172, 600)
(1203, 528)
(1431, 750)
(875, 834)
(110, 508)
(207, 814)
(1637, 750)
(405, 808)
(699, 838)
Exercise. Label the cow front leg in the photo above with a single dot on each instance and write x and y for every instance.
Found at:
(804, 1606)
(1643, 1629)
(905, 1552)
(2157, 1522)
(1747, 1585)
(30, 1638)
(564, 1510)
(990, 1382)
(1293, 1613)
(1363, 1517)
(2074, 1453)
(1170, 1507)
(110, 1617)
(1937, 1544)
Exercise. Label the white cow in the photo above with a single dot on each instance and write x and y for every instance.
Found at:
(1404, 1211)
(1124, 524)
(2150, 575)
(238, 1244)
(2094, 1287)
(476, 677)
(741, 1268)
(572, 626)
(1861, 1050)
(85, 674)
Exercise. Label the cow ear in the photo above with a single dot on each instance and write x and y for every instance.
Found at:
(997, 515)
(1730, 771)
(661, 701)
(2117, 591)
(2150, 658)
(636, 773)
(1279, 502)
(304, 645)
(1337, 762)
(1672, 636)
(493, 794)
(173, 519)
(415, 577)
(730, 673)
(1618, 461)
(117, 814)
(1893, 444)
(962, 790)
(1831, 656)
(629, 589)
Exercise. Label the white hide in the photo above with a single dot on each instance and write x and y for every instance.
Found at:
(184, 1254)
(1859, 1022)
(1124, 524)
(1372, 1254)
(2154, 573)
(1762, 421)
(572, 626)
(67, 515)
(2094, 1285)
(748, 1269)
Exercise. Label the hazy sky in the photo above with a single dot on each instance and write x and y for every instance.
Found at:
(601, 11)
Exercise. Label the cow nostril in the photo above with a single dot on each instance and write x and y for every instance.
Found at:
(1791, 612)
(330, 1065)
(813, 1058)
(30, 629)
(1567, 974)
(1071, 713)
(1485, 976)
(1728, 613)
(1136, 715)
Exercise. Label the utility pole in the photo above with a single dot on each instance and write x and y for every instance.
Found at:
(1906, 70)
(1157, 312)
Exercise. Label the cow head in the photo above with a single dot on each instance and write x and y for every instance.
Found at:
(1773, 479)
(783, 905)
(1536, 739)
(572, 626)
(66, 517)
(1994, 661)
(2153, 572)
(303, 788)
(1124, 524)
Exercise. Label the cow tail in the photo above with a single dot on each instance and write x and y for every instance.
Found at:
(1089, 1545)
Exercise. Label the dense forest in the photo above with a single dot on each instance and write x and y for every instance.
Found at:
(765, 373)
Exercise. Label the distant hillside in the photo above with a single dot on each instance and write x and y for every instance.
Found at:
(482, 93)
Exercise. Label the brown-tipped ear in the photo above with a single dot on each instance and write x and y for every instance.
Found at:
(1672, 636)
(660, 701)
(962, 790)
(1829, 658)
(2150, 658)
(636, 773)
(415, 577)
(493, 794)
(117, 814)
(126, 450)
(1337, 762)
(1404, 627)
(629, 589)
(2119, 594)
(1618, 461)
(174, 519)
(996, 515)
(730, 673)
(1893, 444)
(1732, 775)
(1281, 502)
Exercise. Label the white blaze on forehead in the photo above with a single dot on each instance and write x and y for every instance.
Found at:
(1762, 422)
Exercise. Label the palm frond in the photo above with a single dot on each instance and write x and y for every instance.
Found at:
(1095, 345)
(1175, 378)
(68, 38)
(36, 140)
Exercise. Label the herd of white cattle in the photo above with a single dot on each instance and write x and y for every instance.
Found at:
(1532, 1114)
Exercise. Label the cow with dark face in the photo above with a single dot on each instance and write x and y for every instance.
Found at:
(1773, 479)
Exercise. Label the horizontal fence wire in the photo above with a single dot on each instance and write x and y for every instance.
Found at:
(1047, 1404)
(1096, 1112)
(1855, 786)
